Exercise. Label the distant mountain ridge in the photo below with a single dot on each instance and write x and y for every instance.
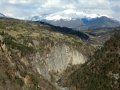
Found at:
(101, 22)
(2, 15)
(76, 19)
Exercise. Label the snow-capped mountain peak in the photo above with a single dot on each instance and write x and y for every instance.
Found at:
(2, 15)
(66, 15)
(57, 17)
(69, 14)
(77, 19)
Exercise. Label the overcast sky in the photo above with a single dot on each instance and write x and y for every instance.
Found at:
(27, 8)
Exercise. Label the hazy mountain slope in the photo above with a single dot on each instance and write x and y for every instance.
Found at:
(102, 22)
(98, 22)
(67, 23)
(102, 71)
(98, 36)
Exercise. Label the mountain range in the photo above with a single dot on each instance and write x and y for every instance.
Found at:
(76, 19)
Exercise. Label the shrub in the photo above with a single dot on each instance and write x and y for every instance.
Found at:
(19, 81)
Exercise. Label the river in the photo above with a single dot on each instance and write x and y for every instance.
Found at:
(61, 85)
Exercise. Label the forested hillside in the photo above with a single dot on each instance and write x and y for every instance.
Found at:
(102, 71)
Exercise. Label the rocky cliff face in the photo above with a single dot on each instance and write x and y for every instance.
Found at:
(15, 71)
(57, 60)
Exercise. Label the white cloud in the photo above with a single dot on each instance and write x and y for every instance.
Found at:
(27, 8)
(50, 3)
(19, 1)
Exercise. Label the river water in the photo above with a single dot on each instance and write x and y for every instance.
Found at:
(61, 85)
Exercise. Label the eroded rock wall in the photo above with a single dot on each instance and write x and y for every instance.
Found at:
(57, 60)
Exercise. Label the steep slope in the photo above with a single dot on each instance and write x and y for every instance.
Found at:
(38, 53)
(102, 71)
(13, 72)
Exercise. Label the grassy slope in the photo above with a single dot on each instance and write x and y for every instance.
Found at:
(102, 72)
(45, 36)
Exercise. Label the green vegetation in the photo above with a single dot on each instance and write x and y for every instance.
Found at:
(34, 79)
(19, 81)
(8, 74)
(3, 81)
(12, 43)
(102, 72)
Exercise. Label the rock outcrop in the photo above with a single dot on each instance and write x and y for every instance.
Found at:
(4, 49)
(57, 60)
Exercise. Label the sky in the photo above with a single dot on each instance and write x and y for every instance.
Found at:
(27, 8)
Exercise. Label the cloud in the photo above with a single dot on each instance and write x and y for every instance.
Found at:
(25, 2)
(116, 8)
(19, 1)
(27, 8)
(115, 5)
